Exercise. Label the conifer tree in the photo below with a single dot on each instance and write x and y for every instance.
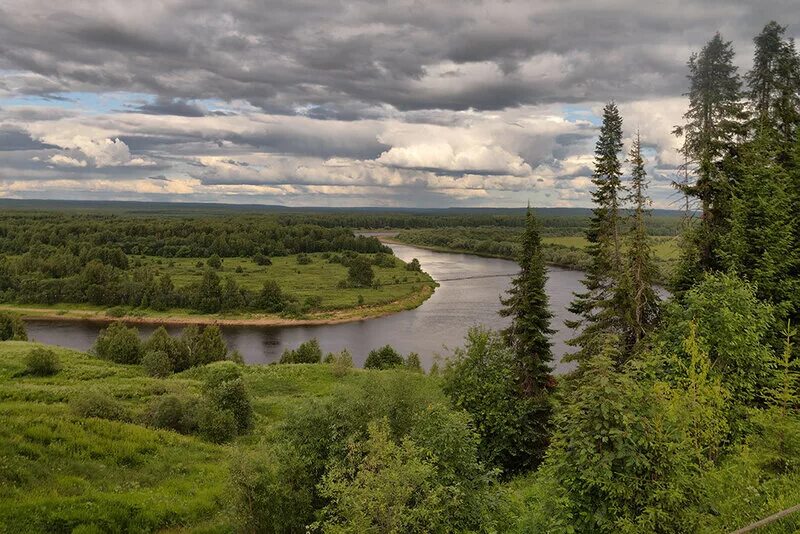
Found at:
(774, 83)
(528, 306)
(760, 244)
(639, 299)
(597, 307)
(714, 123)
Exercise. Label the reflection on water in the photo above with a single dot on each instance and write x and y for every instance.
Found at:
(435, 327)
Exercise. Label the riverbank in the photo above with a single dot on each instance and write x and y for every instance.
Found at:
(63, 312)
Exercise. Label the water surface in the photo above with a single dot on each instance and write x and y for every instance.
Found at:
(468, 296)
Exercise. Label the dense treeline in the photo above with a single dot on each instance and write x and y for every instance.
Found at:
(88, 236)
(53, 258)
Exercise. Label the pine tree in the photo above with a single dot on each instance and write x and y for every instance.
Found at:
(714, 122)
(774, 83)
(638, 297)
(528, 306)
(597, 306)
(760, 244)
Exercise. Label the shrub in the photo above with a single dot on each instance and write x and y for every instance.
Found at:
(342, 363)
(481, 379)
(413, 265)
(157, 363)
(308, 352)
(231, 396)
(119, 344)
(303, 259)
(94, 403)
(383, 358)
(239, 269)
(214, 424)
(176, 350)
(12, 328)
(260, 259)
(167, 412)
(42, 362)
(236, 357)
(413, 362)
(271, 299)
(360, 273)
(221, 372)
(215, 262)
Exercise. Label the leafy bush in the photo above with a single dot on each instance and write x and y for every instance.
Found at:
(215, 262)
(308, 352)
(383, 358)
(303, 259)
(168, 412)
(176, 350)
(157, 363)
(261, 259)
(271, 299)
(119, 344)
(214, 424)
(480, 379)
(383, 448)
(42, 362)
(360, 273)
(94, 403)
(12, 328)
(231, 396)
(236, 357)
(341, 363)
(414, 265)
(413, 362)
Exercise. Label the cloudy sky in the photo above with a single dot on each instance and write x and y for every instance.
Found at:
(345, 103)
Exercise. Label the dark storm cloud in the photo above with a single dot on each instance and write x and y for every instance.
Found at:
(13, 139)
(342, 57)
(171, 106)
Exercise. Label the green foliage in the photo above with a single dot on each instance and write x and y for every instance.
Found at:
(119, 343)
(209, 293)
(342, 363)
(261, 259)
(168, 412)
(157, 363)
(271, 299)
(42, 362)
(529, 333)
(482, 379)
(176, 350)
(215, 424)
(308, 352)
(330, 458)
(383, 358)
(215, 262)
(414, 265)
(627, 450)
(598, 307)
(413, 363)
(99, 404)
(360, 273)
(303, 259)
(12, 328)
(732, 327)
(231, 396)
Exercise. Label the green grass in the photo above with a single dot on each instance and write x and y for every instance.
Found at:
(319, 278)
(398, 289)
(59, 471)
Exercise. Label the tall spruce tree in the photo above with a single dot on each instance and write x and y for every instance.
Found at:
(714, 124)
(774, 83)
(638, 297)
(528, 306)
(597, 307)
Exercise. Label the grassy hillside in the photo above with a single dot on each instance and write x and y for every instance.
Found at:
(59, 471)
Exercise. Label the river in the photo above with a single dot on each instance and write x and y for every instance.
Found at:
(468, 296)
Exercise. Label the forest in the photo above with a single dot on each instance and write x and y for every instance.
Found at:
(680, 416)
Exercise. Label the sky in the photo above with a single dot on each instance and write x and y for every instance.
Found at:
(344, 102)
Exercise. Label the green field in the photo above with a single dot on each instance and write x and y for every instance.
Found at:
(319, 278)
(395, 289)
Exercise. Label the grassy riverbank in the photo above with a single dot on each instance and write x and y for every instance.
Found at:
(319, 282)
(496, 242)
